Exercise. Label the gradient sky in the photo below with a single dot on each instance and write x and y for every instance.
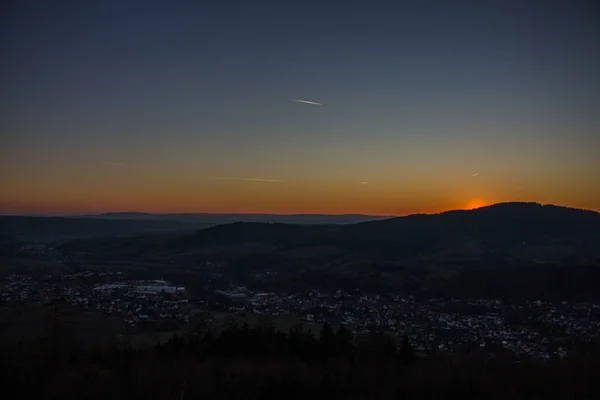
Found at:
(428, 105)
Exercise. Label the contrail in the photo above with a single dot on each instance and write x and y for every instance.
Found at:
(245, 179)
(307, 102)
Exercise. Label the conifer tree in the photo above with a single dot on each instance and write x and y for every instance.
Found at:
(326, 340)
(407, 352)
(343, 339)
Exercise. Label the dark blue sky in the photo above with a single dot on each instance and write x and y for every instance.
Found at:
(113, 102)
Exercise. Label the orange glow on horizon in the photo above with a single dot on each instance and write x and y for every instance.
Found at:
(475, 203)
(333, 202)
(57, 210)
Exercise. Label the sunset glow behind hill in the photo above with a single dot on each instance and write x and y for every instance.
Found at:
(475, 203)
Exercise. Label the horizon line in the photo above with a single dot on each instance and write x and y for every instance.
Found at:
(104, 213)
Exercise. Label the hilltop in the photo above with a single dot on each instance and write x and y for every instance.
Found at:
(454, 252)
(499, 232)
(47, 229)
(215, 219)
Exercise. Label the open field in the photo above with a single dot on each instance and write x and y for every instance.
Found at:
(284, 324)
(34, 327)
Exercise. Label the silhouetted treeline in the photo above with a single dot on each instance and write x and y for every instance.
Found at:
(260, 362)
(264, 342)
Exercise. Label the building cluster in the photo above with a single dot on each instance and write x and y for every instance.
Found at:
(535, 329)
(48, 252)
(37, 250)
(142, 304)
(141, 287)
(149, 304)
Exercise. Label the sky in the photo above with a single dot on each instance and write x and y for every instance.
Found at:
(188, 106)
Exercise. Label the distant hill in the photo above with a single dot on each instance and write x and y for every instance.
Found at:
(37, 228)
(415, 253)
(7, 239)
(65, 228)
(500, 232)
(215, 219)
(123, 215)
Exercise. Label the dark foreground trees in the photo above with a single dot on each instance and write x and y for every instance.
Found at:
(244, 362)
